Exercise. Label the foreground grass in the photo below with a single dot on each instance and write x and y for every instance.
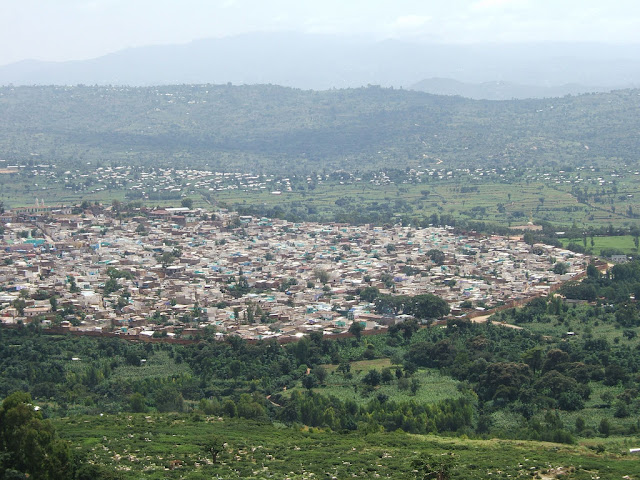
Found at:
(142, 446)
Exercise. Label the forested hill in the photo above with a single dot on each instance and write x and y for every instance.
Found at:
(266, 127)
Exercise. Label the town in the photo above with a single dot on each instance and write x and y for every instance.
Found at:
(186, 272)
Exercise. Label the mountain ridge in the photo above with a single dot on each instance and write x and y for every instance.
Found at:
(320, 62)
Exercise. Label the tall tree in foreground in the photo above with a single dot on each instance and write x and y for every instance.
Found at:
(29, 447)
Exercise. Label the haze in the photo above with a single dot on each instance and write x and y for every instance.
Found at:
(81, 29)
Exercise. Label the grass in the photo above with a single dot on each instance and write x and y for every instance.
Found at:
(579, 321)
(158, 365)
(623, 243)
(363, 365)
(142, 446)
(433, 386)
(495, 201)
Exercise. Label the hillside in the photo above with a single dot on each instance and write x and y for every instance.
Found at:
(500, 90)
(271, 128)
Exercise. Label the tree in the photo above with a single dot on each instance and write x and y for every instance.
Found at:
(321, 275)
(436, 256)
(111, 286)
(369, 294)
(73, 287)
(560, 268)
(428, 306)
(355, 329)
(344, 368)
(215, 446)
(54, 303)
(309, 381)
(605, 427)
(166, 259)
(534, 358)
(391, 304)
(169, 399)
(187, 203)
(19, 304)
(137, 403)
(386, 376)
(372, 378)
(415, 386)
(29, 446)
(320, 373)
(431, 467)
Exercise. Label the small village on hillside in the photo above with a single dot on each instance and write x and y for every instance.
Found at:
(184, 272)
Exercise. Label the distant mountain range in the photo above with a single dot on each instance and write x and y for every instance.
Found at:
(489, 71)
(501, 90)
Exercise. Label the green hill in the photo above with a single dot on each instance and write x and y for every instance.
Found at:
(271, 128)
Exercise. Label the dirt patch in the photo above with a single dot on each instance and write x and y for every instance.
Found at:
(484, 318)
(555, 473)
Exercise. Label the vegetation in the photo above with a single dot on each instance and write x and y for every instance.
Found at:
(288, 129)
(159, 446)
(360, 406)
(367, 155)
(473, 380)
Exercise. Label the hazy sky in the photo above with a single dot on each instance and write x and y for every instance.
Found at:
(79, 29)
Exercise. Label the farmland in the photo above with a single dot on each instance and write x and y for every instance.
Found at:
(175, 446)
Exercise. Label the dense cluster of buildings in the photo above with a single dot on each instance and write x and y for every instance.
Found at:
(183, 272)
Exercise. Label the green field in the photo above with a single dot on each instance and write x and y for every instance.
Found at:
(145, 446)
(433, 386)
(501, 202)
(578, 321)
(624, 243)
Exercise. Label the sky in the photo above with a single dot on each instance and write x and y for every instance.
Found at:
(61, 30)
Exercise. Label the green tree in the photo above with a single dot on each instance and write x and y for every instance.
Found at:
(534, 358)
(369, 294)
(19, 304)
(321, 275)
(415, 386)
(436, 256)
(372, 378)
(169, 399)
(344, 368)
(604, 427)
(137, 403)
(111, 286)
(355, 329)
(432, 467)
(214, 447)
(309, 381)
(428, 306)
(73, 287)
(560, 268)
(29, 445)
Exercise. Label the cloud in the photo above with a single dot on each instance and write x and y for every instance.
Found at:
(410, 22)
(489, 4)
